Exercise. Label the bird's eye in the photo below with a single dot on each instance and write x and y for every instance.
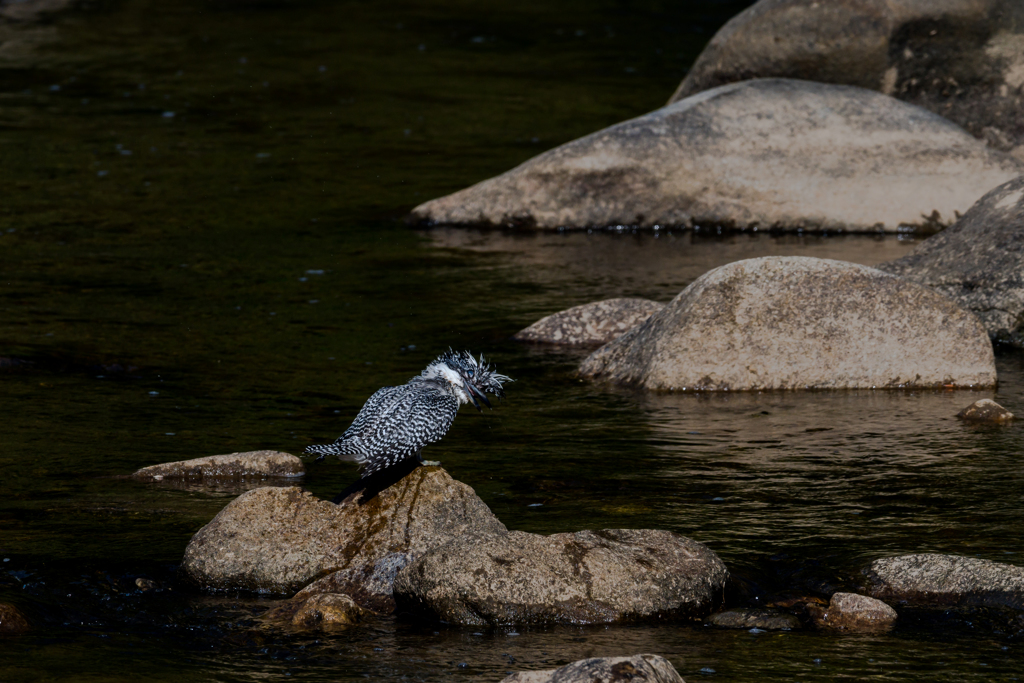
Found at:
(469, 372)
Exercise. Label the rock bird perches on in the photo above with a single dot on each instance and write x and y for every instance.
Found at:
(397, 422)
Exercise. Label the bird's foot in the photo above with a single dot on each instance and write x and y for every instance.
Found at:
(430, 463)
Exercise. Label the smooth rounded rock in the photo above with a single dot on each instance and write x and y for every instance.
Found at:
(12, 621)
(278, 540)
(933, 580)
(985, 411)
(800, 323)
(768, 153)
(978, 262)
(588, 577)
(590, 324)
(764, 619)
(328, 610)
(855, 613)
(248, 464)
(963, 59)
(635, 669)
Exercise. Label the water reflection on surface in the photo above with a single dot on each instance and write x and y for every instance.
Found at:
(238, 282)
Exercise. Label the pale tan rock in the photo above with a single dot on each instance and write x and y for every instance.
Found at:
(933, 580)
(853, 612)
(645, 668)
(769, 153)
(978, 262)
(587, 577)
(248, 464)
(987, 411)
(12, 621)
(962, 59)
(278, 540)
(594, 323)
(800, 323)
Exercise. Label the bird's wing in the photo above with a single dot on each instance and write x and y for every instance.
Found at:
(400, 423)
(369, 410)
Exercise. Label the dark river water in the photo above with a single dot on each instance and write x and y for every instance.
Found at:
(201, 252)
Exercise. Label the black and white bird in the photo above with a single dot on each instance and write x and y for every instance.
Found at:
(397, 422)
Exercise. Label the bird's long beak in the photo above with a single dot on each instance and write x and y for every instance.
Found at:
(475, 394)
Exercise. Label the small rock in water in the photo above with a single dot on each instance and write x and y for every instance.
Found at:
(248, 464)
(648, 668)
(759, 619)
(852, 612)
(594, 323)
(985, 411)
(328, 610)
(12, 620)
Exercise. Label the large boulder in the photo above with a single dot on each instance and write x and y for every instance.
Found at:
(800, 323)
(932, 580)
(590, 324)
(978, 262)
(770, 153)
(248, 464)
(278, 540)
(963, 59)
(586, 577)
(635, 669)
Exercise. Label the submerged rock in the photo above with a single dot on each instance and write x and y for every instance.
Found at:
(985, 411)
(647, 668)
(770, 153)
(325, 611)
(800, 323)
(594, 323)
(852, 612)
(979, 262)
(765, 619)
(248, 464)
(963, 59)
(586, 577)
(933, 580)
(278, 540)
(12, 621)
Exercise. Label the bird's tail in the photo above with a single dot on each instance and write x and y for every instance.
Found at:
(342, 450)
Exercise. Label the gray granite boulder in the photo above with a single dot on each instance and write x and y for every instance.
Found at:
(854, 613)
(963, 59)
(278, 540)
(985, 411)
(590, 324)
(588, 577)
(635, 669)
(800, 323)
(769, 153)
(248, 464)
(933, 580)
(978, 262)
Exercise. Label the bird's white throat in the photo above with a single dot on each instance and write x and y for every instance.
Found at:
(441, 372)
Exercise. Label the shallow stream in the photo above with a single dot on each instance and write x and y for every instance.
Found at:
(201, 252)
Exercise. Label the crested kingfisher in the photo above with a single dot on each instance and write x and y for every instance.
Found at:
(397, 422)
